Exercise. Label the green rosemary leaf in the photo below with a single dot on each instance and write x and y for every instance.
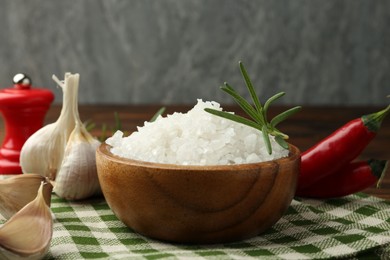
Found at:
(269, 102)
(282, 116)
(275, 132)
(103, 135)
(233, 117)
(118, 123)
(89, 125)
(158, 113)
(250, 87)
(226, 85)
(267, 142)
(281, 141)
(257, 112)
(243, 103)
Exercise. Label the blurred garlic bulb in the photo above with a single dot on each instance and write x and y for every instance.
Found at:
(28, 233)
(16, 192)
(70, 162)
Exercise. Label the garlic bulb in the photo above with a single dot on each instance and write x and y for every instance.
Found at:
(43, 151)
(16, 192)
(28, 233)
(70, 162)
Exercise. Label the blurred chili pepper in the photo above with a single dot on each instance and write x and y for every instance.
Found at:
(339, 148)
(354, 177)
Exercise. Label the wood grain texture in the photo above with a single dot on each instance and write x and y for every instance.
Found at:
(198, 204)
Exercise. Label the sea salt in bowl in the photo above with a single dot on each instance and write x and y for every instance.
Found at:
(198, 204)
(197, 178)
(195, 138)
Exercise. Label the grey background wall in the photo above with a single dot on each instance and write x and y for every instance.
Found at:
(175, 51)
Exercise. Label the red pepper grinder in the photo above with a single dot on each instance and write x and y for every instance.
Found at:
(23, 109)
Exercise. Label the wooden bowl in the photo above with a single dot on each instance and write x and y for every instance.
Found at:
(197, 204)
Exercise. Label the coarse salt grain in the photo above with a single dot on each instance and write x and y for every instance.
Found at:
(195, 138)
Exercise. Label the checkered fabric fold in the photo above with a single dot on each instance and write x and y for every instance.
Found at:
(355, 226)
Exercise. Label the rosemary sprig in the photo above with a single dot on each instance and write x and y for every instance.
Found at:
(89, 125)
(257, 112)
(157, 114)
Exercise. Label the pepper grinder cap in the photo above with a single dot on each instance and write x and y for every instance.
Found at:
(23, 94)
(22, 81)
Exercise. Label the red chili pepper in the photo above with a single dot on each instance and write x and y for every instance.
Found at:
(355, 177)
(339, 148)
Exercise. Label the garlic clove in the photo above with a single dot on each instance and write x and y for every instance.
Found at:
(17, 191)
(77, 178)
(28, 233)
(43, 151)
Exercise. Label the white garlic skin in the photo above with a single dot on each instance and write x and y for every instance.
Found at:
(28, 233)
(16, 192)
(64, 151)
(42, 153)
(77, 177)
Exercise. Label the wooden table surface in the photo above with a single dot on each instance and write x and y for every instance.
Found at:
(305, 129)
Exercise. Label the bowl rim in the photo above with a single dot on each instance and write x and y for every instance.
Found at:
(104, 150)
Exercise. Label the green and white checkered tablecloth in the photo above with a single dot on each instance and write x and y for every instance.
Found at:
(357, 226)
